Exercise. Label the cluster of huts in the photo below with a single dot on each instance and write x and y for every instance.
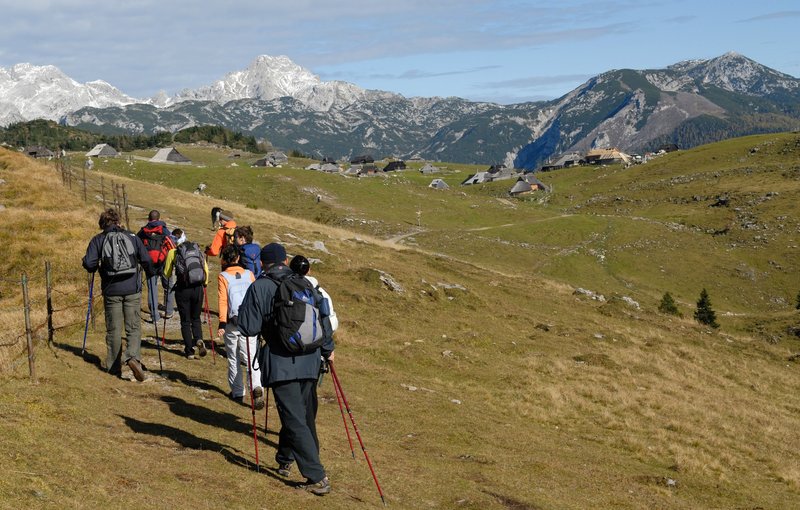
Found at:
(365, 165)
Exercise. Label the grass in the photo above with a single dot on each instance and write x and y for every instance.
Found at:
(486, 383)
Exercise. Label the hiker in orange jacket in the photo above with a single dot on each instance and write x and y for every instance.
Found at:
(232, 283)
(224, 236)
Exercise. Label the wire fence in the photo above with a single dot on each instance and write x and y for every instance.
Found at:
(34, 318)
(23, 340)
(32, 309)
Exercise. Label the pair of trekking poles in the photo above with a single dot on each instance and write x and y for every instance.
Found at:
(340, 398)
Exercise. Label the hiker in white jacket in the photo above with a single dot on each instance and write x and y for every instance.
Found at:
(302, 266)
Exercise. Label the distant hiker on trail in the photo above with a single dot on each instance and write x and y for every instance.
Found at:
(118, 253)
(292, 374)
(232, 283)
(302, 266)
(158, 241)
(225, 233)
(191, 276)
(249, 251)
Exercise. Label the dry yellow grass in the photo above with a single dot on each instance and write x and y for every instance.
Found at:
(511, 393)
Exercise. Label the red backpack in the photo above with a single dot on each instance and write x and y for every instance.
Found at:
(157, 243)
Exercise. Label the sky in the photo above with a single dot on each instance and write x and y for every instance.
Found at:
(506, 51)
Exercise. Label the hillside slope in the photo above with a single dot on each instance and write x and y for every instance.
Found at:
(473, 388)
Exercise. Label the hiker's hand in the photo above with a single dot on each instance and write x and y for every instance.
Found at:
(220, 332)
(330, 356)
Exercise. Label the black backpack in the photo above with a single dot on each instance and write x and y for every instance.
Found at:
(297, 322)
(118, 253)
(189, 267)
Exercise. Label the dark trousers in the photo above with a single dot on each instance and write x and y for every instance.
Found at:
(189, 301)
(297, 408)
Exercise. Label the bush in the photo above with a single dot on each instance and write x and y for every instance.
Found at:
(668, 305)
(704, 313)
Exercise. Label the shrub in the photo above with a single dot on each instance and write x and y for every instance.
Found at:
(704, 313)
(668, 305)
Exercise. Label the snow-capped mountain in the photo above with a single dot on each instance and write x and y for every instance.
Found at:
(268, 78)
(688, 103)
(30, 92)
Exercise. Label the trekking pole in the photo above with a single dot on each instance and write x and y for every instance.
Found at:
(266, 411)
(355, 427)
(344, 421)
(88, 313)
(152, 297)
(164, 327)
(210, 333)
(252, 401)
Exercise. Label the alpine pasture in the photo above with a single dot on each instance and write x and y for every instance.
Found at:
(477, 375)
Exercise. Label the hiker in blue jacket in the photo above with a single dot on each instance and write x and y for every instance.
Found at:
(292, 377)
(122, 292)
(249, 252)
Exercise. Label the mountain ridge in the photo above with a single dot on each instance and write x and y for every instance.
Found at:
(688, 103)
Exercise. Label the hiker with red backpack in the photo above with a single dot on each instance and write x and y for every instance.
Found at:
(283, 307)
(118, 253)
(191, 277)
(158, 240)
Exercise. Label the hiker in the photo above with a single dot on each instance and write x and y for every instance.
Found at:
(249, 252)
(157, 239)
(224, 235)
(118, 254)
(191, 278)
(292, 377)
(301, 265)
(177, 236)
(232, 285)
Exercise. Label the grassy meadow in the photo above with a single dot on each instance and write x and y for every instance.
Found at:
(485, 382)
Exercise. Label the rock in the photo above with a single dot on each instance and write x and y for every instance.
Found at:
(390, 282)
(320, 246)
(588, 293)
(455, 401)
(630, 302)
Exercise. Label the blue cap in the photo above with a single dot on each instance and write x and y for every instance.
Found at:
(273, 253)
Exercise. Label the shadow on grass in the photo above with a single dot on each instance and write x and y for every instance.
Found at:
(187, 440)
(227, 421)
(174, 375)
(92, 359)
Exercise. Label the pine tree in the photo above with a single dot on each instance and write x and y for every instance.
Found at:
(704, 313)
(668, 305)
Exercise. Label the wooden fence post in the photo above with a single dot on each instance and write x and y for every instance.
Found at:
(125, 201)
(28, 332)
(103, 191)
(49, 279)
(84, 185)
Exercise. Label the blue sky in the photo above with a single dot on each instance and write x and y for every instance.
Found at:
(503, 50)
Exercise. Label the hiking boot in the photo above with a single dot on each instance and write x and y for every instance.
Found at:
(201, 348)
(259, 398)
(136, 368)
(238, 399)
(319, 488)
(285, 469)
(190, 355)
(165, 315)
